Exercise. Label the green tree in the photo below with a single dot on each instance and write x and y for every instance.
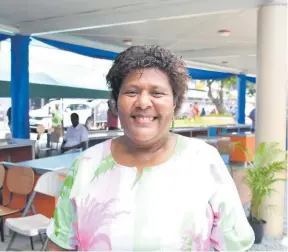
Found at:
(251, 89)
(218, 99)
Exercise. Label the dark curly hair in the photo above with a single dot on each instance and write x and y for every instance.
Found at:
(149, 56)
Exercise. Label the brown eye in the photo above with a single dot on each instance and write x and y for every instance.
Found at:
(157, 94)
(131, 93)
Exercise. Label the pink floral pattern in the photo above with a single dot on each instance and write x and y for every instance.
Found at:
(92, 216)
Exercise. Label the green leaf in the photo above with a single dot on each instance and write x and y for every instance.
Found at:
(269, 161)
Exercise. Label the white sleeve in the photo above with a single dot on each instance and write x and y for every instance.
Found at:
(84, 135)
(231, 230)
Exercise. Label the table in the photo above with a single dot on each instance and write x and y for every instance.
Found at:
(101, 136)
(55, 163)
(232, 128)
(191, 131)
(16, 150)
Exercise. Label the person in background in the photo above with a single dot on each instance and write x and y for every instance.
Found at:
(203, 112)
(252, 116)
(196, 110)
(76, 136)
(112, 117)
(191, 111)
(56, 117)
(149, 189)
(9, 115)
(213, 112)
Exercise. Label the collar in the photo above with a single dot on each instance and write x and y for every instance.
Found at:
(77, 127)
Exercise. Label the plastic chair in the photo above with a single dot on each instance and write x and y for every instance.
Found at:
(54, 139)
(19, 180)
(49, 184)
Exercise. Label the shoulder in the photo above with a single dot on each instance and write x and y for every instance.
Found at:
(95, 154)
(86, 164)
(197, 153)
(196, 146)
(82, 128)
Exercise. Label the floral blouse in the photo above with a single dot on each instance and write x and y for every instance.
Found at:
(188, 203)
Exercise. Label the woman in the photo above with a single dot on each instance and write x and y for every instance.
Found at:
(149, 189)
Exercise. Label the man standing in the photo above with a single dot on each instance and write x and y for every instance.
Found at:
(56, 117)
(76, 136)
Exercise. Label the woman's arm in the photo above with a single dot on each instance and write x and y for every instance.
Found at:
(231, 229)
(61, 230)
(53, 247)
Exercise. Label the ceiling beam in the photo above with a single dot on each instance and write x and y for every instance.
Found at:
(133, 14)
(9, 30)
(217, 52)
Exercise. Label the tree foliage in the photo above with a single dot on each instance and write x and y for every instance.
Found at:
(218, 99)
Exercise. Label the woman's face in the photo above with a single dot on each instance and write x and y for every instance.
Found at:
(145, 105)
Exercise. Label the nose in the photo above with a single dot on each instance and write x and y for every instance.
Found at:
(143, 101)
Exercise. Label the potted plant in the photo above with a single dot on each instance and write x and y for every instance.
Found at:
(269, 160)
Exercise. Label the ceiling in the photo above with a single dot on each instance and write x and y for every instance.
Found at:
(188, 27)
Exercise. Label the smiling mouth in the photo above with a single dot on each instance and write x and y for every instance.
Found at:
(144, 119)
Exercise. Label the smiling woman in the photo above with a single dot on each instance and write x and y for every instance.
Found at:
(149, 189)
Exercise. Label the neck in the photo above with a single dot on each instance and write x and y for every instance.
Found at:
(153, 147)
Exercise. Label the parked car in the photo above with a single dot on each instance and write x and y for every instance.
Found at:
(43, 116)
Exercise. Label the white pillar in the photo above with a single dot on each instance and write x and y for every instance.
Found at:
(271, 97)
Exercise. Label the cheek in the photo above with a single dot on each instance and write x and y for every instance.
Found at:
(124, 105)
(166, 109)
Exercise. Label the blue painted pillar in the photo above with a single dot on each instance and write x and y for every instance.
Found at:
(19, 86)
(241, 99)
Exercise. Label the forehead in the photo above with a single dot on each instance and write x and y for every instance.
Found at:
(147, 76)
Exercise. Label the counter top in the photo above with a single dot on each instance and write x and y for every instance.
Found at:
(189, 129)
(232, 126)
(243, 134)
(106, 134)
(15, 143)
(42, 165)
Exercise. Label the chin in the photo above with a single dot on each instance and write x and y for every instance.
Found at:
(141, 137)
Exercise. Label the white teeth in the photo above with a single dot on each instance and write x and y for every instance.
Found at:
(145, 118)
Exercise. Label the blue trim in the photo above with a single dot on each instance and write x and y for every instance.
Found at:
(251, 79)
(241, 99)
(4, 37)
(82, 50)
(19, 87)
(200, 74)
